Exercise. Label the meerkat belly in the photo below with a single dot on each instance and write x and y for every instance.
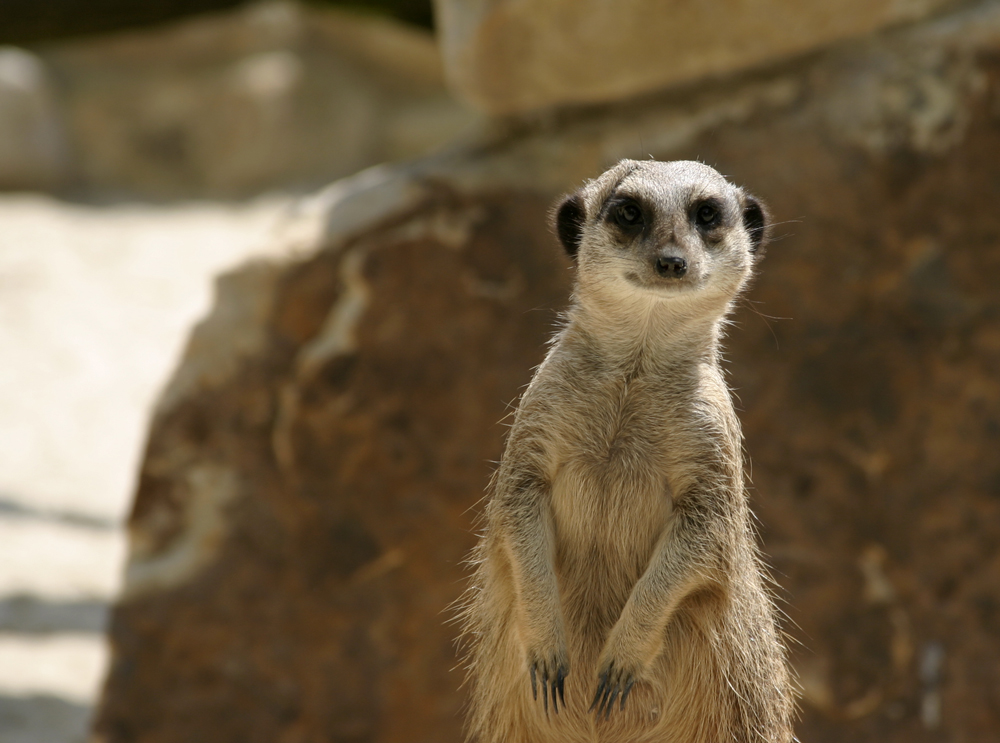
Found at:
(610, 482)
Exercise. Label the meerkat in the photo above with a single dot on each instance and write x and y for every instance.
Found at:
(618, 592)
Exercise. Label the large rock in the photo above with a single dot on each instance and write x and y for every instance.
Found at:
(314, 470)
(273, 95)
(508, 56)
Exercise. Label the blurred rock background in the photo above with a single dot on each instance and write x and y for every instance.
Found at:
(267, 96)
(143, 151)
(315, 457)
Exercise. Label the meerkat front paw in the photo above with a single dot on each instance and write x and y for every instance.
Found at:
(613, 680)
(551, 668)
(617, 672)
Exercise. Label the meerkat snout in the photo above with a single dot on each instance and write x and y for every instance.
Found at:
(671, 267)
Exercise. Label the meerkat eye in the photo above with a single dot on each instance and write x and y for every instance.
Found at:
(706, 215)
(628, 215)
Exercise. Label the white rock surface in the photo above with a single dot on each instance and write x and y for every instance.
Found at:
(96, 303)
(59, 561)
(66, 666)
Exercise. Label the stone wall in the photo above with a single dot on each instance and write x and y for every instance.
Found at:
(314, 471)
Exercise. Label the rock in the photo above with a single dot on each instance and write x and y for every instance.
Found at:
(361, 556)
(32, 143)
(273, 95)
(510, 56)
(322, 483)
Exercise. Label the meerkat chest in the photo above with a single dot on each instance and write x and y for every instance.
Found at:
(620, 430)
(612, 459)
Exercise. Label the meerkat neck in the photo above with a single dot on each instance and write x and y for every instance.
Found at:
(653, 333)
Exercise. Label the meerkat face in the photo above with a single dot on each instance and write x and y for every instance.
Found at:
(665, 230)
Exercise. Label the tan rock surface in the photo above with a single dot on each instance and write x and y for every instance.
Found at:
(272, 95)
(349, 448)
(509, 56)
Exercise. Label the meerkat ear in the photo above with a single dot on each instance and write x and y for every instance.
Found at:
(756, 220)
(569, 218)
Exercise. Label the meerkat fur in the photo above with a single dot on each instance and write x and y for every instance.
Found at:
(618, 592)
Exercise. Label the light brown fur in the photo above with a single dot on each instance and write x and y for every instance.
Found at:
(618, 542)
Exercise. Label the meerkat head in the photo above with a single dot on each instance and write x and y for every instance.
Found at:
(667, 231)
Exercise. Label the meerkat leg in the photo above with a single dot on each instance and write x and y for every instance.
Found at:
(529, 542)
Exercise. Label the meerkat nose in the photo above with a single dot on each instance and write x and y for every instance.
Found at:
(671, 266)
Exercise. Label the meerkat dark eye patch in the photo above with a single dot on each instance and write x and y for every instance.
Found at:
(627, 214)
(569, 218)
(755, 221)
(707, 214)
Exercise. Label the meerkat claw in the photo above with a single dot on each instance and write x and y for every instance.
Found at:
(600, 689)
(545, 692)
(611, 700)
(628, 689)
(603, 693)
(606, 699)
(552, 682)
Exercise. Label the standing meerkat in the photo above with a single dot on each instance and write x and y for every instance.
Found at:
(619, 570)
